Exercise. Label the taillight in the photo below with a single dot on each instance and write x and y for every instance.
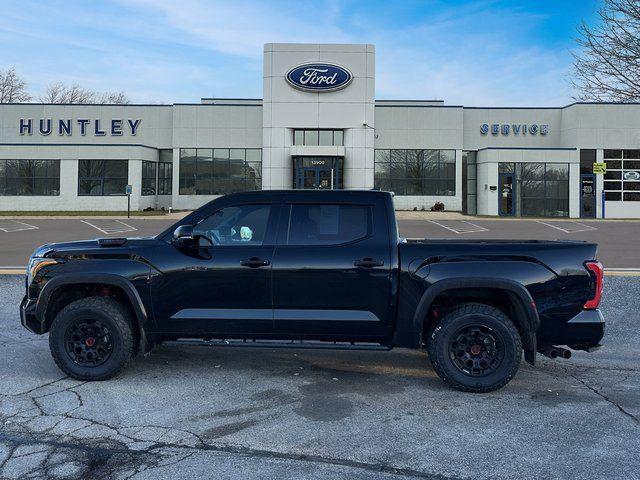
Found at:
(597, 273)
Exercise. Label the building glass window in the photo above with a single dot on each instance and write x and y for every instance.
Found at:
(318, 137)
(148, 178)
(311, 137)
(165, 172)
(587, 159)
(542, 189)
(165, 178)
(102, 177)
(469, 183)
(30, 177)
(218, 171)
(416, 172)
(622, 180)
(325, 137)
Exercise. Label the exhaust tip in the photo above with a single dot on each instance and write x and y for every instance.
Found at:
(556, 352)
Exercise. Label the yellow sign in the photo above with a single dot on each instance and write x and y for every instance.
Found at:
(599, 167)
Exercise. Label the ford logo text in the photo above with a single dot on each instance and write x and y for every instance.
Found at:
(319, 77)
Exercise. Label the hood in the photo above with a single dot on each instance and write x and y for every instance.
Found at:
(108, 245)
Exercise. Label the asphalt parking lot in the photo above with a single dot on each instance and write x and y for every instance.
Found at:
(234, 413)
(618, 240)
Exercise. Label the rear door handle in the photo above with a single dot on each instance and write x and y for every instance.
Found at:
(368, 262)
(254, 262)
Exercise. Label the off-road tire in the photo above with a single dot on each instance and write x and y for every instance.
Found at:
(471, 314)
(114, 317)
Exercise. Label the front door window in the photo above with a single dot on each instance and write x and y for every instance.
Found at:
(240, 225)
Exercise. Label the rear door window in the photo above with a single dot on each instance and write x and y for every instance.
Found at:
(328, 224)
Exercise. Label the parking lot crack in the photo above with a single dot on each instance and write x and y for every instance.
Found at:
(30, 391)
(99, 459)
(310, 458)
(607, 399)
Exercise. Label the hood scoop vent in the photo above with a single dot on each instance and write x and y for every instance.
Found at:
(112, 242)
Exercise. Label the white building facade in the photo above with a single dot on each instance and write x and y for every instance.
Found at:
(318, 125)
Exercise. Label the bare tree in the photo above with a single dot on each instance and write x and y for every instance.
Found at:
(118, 98)
(61, 93)
(13, 89)
(75, 94)
(608, 66)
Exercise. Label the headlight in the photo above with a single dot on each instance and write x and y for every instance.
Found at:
(35, 265)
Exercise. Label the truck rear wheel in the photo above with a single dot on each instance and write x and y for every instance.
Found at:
(92, 338)
(475, 348)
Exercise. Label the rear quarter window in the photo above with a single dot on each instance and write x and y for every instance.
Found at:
(328, 224)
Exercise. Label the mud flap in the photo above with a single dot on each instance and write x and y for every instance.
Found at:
(530, 349)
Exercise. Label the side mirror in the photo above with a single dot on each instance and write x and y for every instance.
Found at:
(183, 236)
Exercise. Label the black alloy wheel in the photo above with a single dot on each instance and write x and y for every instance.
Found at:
(88, 342)
(93, 338)
(476, 350)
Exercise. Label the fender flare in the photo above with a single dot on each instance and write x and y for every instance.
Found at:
(92, 278)
(527, 318)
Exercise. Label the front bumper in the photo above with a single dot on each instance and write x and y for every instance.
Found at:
(28, 316)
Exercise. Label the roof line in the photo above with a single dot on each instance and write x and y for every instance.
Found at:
(408, 100)
(231, 98)
(219, 104)
(91, 104)
(527, 148)
(260, 100)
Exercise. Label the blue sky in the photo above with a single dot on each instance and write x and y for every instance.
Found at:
(475, 52)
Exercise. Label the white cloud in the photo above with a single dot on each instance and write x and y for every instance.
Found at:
(480, 53)
(241, 28)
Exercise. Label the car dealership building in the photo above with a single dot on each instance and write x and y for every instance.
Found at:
(318, 125)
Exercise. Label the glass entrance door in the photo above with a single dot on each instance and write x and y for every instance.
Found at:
(587, 196)
(323, 173)
(325, 179)
(506, 194)
(310, 178)
(319, 178)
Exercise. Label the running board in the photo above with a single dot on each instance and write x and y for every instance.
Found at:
(310, 344)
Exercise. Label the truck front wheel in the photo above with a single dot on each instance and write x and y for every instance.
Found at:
(475, 348)
(92, 338)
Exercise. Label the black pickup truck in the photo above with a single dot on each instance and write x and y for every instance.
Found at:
(323, 269)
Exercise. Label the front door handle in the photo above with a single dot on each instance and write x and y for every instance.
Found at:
(254, 262)
(368, 262)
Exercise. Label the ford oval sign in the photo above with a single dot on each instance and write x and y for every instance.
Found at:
(631, 175)
(319, 77)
